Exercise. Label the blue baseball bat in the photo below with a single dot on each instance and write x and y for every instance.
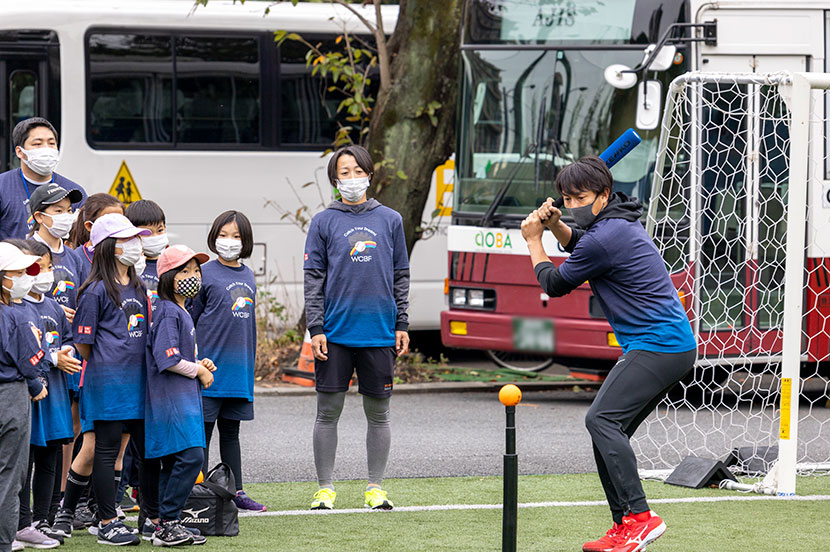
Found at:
(626, 142)
(620, 148)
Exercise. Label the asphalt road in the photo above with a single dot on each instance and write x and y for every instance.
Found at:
(451, 434)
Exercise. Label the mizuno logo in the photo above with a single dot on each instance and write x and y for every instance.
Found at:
(195, 513)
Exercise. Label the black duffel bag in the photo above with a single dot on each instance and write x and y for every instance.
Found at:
(210, 507)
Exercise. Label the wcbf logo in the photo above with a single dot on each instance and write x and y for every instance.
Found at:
(361, 242)
(193, 515)
(242, 299)
(64, 285)
(134, 316)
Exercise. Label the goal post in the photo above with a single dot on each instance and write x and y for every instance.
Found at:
(736, 211)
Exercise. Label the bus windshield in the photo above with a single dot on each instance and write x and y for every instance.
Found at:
(532, 103)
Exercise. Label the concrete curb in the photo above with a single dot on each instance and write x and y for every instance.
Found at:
(438, 387)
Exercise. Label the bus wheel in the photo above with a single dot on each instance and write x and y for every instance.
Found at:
(522, 362)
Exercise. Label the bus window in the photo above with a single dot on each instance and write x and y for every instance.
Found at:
(308, 110)
(131, 89)
(23, 95)
(217, 90)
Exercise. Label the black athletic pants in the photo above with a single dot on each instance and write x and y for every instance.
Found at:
(107, 445)
(229, 449)
(633, 388)
(43, 461)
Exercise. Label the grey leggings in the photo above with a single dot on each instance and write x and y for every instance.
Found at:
(378, 436)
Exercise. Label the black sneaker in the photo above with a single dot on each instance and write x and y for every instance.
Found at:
(84, 515)
(43, 527)
(171, 533)
(148, 529)
(63, 522)
(117, 534)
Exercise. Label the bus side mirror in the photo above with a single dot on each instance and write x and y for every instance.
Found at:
(649, 97)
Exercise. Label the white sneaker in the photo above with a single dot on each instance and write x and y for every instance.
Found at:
(120, 513)
(29, 536)
(17, 545)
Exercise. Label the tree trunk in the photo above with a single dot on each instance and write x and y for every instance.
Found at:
(425, 50)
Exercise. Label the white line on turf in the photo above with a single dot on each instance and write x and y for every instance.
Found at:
(560, 504)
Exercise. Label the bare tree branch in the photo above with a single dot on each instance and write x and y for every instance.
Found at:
(380, 40)
(357, 14)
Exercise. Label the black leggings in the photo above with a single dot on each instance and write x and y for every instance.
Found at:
(44, 460)
(107, 445)
(229, 449)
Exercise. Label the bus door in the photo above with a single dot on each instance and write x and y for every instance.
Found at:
(29, 65)
(743, 216)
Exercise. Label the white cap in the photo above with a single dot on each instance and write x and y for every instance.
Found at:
(11, 258)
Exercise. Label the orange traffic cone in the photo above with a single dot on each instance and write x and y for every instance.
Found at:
(303, 374)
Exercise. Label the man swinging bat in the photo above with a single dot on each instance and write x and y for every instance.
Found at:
(610, 249)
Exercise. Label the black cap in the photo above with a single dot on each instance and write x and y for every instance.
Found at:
(48, 194)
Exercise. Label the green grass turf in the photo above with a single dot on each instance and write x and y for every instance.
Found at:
(725, 526)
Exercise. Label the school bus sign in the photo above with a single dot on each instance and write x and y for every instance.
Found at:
(124, 187)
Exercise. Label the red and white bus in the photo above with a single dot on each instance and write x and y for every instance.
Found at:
(538, 92)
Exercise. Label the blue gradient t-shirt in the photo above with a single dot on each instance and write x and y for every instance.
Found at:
(173, 418)
(225, 321)
(52, 416)
(360, 252)
(629, 279)
(150, 278)
(114, 380)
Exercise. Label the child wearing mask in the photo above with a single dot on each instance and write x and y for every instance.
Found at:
(110, 332)
(223, 314)
(147, 214)
(175, 428)
(20, 358)
(52, 416)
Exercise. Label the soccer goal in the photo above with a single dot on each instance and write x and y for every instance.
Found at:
(740, 210)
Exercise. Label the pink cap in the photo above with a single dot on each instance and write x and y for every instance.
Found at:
(177, 255)
(114, 225)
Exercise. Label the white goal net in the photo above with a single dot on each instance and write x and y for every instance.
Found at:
(739, 213)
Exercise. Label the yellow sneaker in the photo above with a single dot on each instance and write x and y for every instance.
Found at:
(324, 499)
(376, 499)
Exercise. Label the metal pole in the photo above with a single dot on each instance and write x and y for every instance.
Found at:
(511, 484)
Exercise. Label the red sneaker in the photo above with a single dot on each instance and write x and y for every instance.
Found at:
(607, 542)
(637, 534)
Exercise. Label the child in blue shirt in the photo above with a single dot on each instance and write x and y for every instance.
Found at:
(147, 214)
(52, 416)
(174, 424)
(110, 332)
(20, 357)
(356, 280)
(225, 320)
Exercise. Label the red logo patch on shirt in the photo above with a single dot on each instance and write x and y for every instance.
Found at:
(35, 359)
(306, 256)
(171, 351)
(85, 330)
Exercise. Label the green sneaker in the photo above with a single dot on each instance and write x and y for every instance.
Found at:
(376, 499)
(324, 499)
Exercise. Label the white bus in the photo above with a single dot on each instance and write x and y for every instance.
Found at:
(199, 111)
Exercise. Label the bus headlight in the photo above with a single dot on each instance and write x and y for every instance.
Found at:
(478, 299)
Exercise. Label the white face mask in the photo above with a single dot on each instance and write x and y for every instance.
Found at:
(61, 224)
(21, 286)
(154, 245)
(352, 189)
(228, 249)
(131, 252)
(43, 282)
(140, 266)
(42, 160)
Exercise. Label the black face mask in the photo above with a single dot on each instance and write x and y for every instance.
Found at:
(584, 216)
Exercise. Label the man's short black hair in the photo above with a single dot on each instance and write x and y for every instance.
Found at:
(364, 161)
(21, 131)
(246, 233)
(589, 174)
(145, 212)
